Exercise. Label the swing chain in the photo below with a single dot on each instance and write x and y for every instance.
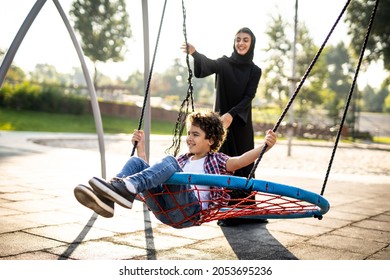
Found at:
(147, 90)
(184, 107)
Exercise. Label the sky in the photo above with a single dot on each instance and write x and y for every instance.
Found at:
(211, 26)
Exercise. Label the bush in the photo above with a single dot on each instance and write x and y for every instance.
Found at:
(6, 89)
(49, 99)
(23, 97)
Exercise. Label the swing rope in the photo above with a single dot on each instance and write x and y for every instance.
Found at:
(184, 107)
(350, 93)
(347, 102)
(147, 90)
(251, 174)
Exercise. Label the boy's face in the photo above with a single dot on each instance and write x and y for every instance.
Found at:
(196, 142)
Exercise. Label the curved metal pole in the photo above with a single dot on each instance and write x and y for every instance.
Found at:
(91, 88)
(151, 248)
(147, 122)
(9, 56)
(15, 46)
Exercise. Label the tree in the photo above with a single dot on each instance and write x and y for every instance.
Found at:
(276, 84)
(46, 73)
(14, 74)
(309, 96)
(104, 28)
(340, 71)
(135, 82)
(277, 74)
(375, 100)
(378, 45)
(386, 105)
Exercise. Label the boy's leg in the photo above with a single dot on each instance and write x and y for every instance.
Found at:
(144, 179)
(132, 166)
(114, 190)
(174, 205)
(98, 202)
(100, 205)
(154, 175)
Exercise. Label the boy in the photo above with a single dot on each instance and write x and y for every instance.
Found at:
(175, 205)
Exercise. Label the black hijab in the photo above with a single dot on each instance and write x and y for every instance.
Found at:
(248, 57)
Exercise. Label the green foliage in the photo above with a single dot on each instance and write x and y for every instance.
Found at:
(22, 97)
(52, 99)
(378, 46)
(104, 28)
(5, 90)
(276, 85)
(386, 105)
(277, 75)
(340, 68)
(45, 73)
(374, 100)
(15, 75)
(27, 96)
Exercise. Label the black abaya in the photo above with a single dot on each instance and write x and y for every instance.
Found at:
(236, 85)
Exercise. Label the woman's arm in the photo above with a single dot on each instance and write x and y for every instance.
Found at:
(242, 109)
(203, 66)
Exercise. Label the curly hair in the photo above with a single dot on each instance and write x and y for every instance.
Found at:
(211, 124)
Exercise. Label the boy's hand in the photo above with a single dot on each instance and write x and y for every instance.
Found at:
(270, 138)
(138, 136)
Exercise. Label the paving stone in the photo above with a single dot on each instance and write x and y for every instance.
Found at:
(152, 242)
(21, 242)
(305, 251)
(364, 233)
(38, 255)
(98, 250)
(15, 223)
(355, 245)
(70, 232)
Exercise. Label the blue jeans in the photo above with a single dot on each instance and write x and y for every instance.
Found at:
(174, 205)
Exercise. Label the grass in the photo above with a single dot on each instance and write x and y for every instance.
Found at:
(50, 122)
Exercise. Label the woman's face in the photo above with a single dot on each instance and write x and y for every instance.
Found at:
(242, 43)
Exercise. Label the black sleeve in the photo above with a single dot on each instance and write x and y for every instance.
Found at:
(204, 66)
(242, 109)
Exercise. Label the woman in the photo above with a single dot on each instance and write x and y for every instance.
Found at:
(236, 82)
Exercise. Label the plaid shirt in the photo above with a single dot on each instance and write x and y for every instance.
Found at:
(215, 163)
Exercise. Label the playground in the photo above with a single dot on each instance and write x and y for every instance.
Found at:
(41, 220)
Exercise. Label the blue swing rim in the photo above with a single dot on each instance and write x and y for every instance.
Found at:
(241, 183)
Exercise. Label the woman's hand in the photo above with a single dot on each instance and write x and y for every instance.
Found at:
(188, 48)
(226, 120)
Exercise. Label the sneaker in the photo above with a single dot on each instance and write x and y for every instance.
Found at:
(100, 205)
(115, 190)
